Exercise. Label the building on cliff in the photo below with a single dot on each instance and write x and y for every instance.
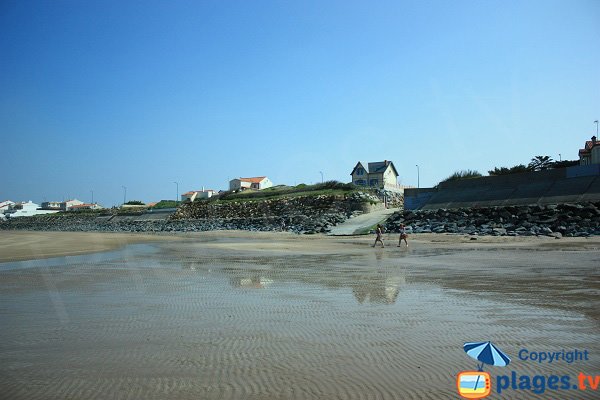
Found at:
(256, 183)
(590, 154)
(197, 194)
(381, 174)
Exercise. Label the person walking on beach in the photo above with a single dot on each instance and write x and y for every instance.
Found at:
(403, 235)
(379, 238)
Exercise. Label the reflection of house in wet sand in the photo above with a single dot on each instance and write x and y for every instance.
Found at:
(380, 285)
(384, 290)
(255, 282)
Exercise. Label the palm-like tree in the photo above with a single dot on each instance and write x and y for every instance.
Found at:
(539, 163)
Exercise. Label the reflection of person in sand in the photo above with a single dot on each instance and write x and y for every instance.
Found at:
(379, 238)
(403, 235)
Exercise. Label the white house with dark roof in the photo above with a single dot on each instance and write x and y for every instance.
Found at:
(380, 174)
(257, 183)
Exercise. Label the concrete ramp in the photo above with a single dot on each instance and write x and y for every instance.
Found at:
(356, 225)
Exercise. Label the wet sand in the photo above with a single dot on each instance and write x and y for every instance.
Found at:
(27, 245)
(236, 315)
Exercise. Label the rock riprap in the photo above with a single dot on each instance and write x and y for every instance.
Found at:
(582, 219)
(305, 214)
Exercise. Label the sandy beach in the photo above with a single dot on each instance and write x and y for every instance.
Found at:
(239, 315)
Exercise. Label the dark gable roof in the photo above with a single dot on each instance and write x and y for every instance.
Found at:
(358, 164)
(375, 167)
(381, 166)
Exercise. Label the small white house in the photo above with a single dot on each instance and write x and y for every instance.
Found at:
(27, 210)
(51, 205)
(197, 194)
(66, 205)
(5, 205)
(256, 183)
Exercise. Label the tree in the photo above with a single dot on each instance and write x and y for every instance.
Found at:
(539, 163)
(506, 171)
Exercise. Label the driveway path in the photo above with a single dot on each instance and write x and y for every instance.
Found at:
(358, 223)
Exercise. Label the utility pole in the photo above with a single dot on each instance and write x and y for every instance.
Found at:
(124, 194)
(177, 195)
(418, 177)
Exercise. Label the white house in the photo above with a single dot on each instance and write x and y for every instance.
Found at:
(257, 183)
(5, 205)
(590, 154)
(380, 174)
(66, 205)
(198, 194)
(51, 205)
(26, 210)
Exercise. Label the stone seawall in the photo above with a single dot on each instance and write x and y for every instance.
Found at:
(582, 219)
(306, 214)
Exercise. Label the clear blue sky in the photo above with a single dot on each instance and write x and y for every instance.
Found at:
(95, 95)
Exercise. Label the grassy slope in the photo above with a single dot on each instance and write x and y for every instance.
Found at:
(278, 192)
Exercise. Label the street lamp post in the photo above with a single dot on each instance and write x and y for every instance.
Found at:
(92, 196)
(124, 194)
(418, 177)
(321, 172)
(559, 157)
(596, 122)
(177, 195)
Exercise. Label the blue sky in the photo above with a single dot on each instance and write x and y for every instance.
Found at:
(96, 95)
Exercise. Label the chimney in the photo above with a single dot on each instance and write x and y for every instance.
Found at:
(593, 140)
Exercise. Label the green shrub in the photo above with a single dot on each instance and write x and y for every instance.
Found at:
(464, 174)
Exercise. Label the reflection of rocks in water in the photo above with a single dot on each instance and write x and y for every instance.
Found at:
(255, 282)
(382, 290)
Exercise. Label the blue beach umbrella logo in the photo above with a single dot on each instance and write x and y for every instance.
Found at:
(486, 353)
(477, 384)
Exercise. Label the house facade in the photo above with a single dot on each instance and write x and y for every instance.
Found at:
(256, 183)
(590, 154)
(197, 194)
(51, 205)
(5, 205)
(381, 174)
(26, 209)
(66, 205)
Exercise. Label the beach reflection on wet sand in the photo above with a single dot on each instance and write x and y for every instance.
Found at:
(215, 320)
